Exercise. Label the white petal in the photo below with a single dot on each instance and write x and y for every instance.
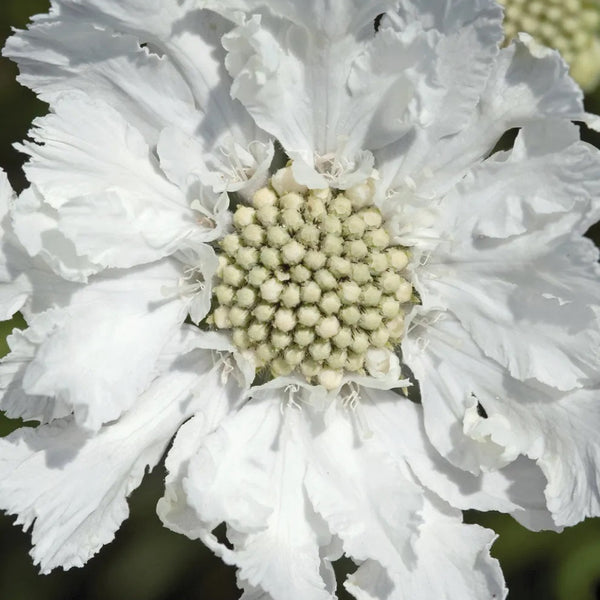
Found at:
(14, 286)
(94, 46)
(453, 562)
(72, 485)
(98, 172)
(35, 224)
(366, 500)
(59, 53)
(107, 338)
(509, 265)
(190, 160)
(249, 474)
(15, 402)
(342, 85)
(524, 86)
(558, 430)
(517, 489)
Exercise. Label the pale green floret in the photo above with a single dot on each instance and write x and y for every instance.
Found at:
(329, 378)
(254, 235)
(264, 197)
(320, 350)
(332, 245)
(267, 215)
(397, 258)
(244, 216)
(370, 295)
(270, 258)
(309, 282)
(304, 336)
(327, 327)
(265, 353)
(230, 244)
(225, 294)
(233, 275)
(294, 356)
(350, 315)
(404, 292)
(330, 303)
(380, 337)
(280, 339)
(246, 297)
(277, 236)
(240, 338)
(339, 267)
(221, 318)
(290, 296)
(271, 290)
(349, 292)
(337, 359)
(378, 262)
(314, 260)
(300, 274)
(356, 249)
(292, 219)
(343, 337)
(291, 200)
(310, 292)
(325, 279)
(309, 316)
(309, 235)
(247, 257)
(264, 312)
(257, 332)
(285, 319)
(239, 316)
(257, 276)
(293, 253)
(361, 273)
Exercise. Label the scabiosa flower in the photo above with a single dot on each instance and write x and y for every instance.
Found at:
(276, 322)
(572, 27)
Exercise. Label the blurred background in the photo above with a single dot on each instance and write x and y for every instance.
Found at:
(148, 562)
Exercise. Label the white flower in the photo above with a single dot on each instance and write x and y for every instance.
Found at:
(395, 237)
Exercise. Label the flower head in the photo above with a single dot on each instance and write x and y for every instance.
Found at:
(273, 322)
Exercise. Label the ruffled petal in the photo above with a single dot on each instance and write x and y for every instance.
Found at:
(113, 202)
(365, 498)
(142, 60)
(106, 337)
(453, 561)
(478, 416)
(526, 84)
(511, 265)
(517, 489)
(71, 486)
(249, 474)
(346, 88)
(14, 286)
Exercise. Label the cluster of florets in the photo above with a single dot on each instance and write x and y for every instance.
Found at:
(309, 280)
(570, 26)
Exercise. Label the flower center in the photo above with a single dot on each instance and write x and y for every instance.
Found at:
(309, 281)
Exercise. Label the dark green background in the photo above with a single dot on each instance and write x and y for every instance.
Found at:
(148, 562)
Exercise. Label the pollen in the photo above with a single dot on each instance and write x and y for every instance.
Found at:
(310, 280)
